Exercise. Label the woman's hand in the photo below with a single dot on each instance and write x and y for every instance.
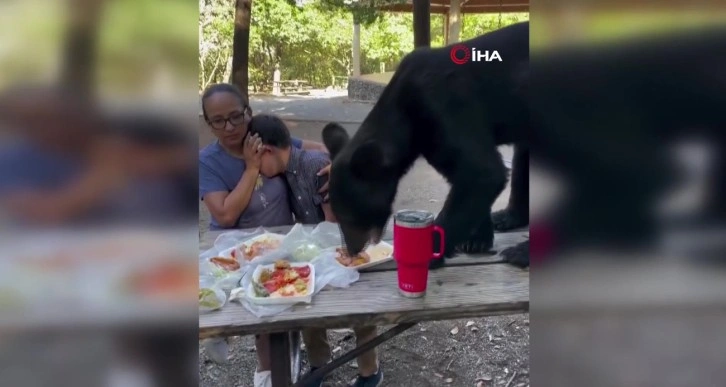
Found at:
(324, 188)
(252, 151)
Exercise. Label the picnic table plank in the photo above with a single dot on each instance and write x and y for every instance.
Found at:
(453, 293)
(501, 241)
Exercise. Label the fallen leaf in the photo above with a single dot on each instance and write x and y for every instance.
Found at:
(484, 378)
(490, 337)
(448, 380)
(474, 329)
(455, 330)
(337, 349)
(423, 329)
(424, 337)
(469, 323)
(353, 365)
(438, 375)
(480, 384)
(506, 370)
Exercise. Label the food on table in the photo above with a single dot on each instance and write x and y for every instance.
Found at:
(208, 299)
(283, 281)
(229, 264)
(346, 260)
(252, 250)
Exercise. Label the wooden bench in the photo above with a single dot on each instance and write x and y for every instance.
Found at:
(469, 286)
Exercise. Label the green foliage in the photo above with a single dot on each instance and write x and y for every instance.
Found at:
(312, 39)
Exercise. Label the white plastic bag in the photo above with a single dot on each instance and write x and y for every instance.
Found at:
(304, 245)
(216, 296)
(327, 272)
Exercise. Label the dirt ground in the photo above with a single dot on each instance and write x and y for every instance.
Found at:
(488, 352)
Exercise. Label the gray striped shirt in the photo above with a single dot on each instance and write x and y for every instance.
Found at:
(303, 180)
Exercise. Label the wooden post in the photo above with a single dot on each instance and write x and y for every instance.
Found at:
(422, 23)
(356, 49)
(454, 22)
(276, 80)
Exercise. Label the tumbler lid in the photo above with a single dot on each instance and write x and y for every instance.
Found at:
(414, 218)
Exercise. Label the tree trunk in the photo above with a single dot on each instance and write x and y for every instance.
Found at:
(241, 45)
(422, 23)
(356, 49)
(78, 71)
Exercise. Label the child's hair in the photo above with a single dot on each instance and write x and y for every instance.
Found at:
(271, 129)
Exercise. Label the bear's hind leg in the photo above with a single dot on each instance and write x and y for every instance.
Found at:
(516, 214)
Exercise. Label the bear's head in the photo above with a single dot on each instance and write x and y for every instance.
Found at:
(363, 183)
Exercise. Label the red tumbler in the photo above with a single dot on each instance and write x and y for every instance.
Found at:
(413, 249)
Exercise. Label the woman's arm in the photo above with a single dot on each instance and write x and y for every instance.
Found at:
(226, 207)
(107, 173)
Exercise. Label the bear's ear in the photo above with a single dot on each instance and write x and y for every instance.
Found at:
(371, 161)
(335, 137)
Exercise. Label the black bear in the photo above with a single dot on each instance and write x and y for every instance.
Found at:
(454, 115)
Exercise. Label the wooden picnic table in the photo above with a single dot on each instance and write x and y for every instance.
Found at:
(468, 286)
(294, 86)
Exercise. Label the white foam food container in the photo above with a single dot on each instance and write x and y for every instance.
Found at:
(227, 253)
(308, 298)
(379, 253)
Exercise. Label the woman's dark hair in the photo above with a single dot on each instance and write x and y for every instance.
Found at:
(271, 129)
(223, 88)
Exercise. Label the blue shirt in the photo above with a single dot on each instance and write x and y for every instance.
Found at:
(221, 172)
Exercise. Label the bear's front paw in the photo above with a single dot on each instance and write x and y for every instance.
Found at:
(517, 255)
(476, 247)
(509, 219)
(447, 253)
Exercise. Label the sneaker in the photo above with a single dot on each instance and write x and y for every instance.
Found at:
(314, 382)
(217, 350)
(374, 380)
(263, 379)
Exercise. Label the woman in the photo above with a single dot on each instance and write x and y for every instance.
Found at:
(234, 191)
(230, 184)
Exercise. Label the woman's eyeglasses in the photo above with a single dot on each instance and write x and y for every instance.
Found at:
(236, 120)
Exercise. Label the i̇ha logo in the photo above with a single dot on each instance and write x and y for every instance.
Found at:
(461, 54)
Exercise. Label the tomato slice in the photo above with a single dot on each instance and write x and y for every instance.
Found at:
(303, 271)
(271, 286)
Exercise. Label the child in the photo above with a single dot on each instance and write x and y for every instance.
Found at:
(300, 169)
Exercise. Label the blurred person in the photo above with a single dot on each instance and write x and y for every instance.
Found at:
(66, 162)
(234, 191)
(300, 167)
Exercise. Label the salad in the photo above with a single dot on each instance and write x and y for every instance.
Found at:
(283, 280)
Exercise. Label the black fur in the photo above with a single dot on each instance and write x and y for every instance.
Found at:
(453, 115)
(603, 118)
